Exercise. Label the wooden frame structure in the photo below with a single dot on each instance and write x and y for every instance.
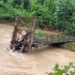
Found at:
(25, 44)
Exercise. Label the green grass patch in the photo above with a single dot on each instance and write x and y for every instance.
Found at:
(69, 46)
(39, 34)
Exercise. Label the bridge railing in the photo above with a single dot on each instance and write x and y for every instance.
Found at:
(55, 39)
(61, 38)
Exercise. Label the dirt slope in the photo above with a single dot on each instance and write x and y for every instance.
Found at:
(37, 63)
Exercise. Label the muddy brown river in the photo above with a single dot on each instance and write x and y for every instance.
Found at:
(38, 62)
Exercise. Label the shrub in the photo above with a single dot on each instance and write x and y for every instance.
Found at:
(69, 46)
(66, 70)
(39, 34)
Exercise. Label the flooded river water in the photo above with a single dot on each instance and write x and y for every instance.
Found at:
(38, 62)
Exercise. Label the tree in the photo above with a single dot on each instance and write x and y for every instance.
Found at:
(17, 2)
(65, 14)
(4, 1)
(40, 1)
(44, 10)
(26, 4)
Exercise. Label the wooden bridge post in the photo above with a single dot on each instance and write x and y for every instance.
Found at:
(52, 38)
(68, 38)
(31, 35)
(62, 36)
(14, 36)
(58, 37)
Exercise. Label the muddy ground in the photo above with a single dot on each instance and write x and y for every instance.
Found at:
(38, 62)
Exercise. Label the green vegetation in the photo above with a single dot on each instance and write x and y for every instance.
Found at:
(53, 14)
(39, 34)
(69, 46)
(65, 70)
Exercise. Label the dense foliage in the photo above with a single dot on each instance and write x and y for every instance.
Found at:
(53, 14)
(65, 16)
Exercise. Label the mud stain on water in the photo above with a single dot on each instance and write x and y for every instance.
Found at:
(38, 62)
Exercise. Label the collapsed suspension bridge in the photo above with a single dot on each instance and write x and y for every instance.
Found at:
(28, 41)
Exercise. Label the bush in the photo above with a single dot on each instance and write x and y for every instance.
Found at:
(69, 46)
(66, 70)
(39, 34)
